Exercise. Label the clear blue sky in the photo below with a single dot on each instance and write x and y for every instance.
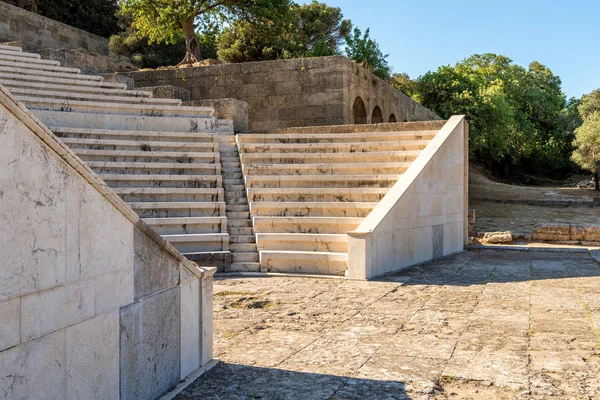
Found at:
(421, 35)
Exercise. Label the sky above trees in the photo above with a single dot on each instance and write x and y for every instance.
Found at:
(420, 36)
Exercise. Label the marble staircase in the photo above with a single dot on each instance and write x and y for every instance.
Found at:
(307, 190)
(162, 158)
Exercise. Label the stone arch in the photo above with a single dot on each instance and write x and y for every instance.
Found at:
(377, 116)
(359, 111)
(392, 118)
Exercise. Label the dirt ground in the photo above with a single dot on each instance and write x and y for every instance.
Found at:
(522, 218)
(478, 325)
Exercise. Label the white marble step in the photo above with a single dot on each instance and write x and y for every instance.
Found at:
(200, 242)
(314, 158)
(14, 84)
(323, 242)
(111, 144)
(49, 74)
(191, 225)
(10, 48)
(20, 53)
(178, 209)
(317, 181)
(351, 147)
(154, 168)
(303, 262)
(334, 137)
(71, 82)
(78, 96)
(148, 110)
(146, 156)
(112, 134)
(305, 224)
(171, 194)
(164, 181)
(327, 169)
(315, 195)
(312, 209)
(36, 65)
(21, 57)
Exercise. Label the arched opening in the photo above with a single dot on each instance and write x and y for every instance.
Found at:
(359, 111)
(377, 116)
(392, 118)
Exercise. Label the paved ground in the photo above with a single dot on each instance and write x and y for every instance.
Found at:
(479, 325)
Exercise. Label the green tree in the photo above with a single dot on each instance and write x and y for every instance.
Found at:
(587, 146)
(403, 83)
(163, 21)
(366, 52)
(309, 30)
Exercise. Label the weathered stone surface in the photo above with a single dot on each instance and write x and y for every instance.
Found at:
(39, 31)
(554, 232)
(10, 328)
(150, 345)
(235, 110)
(88, 62)
(168, 92)
(92, 361)
(34, 370)
(155, 269)
(116, 78)
(190, 327)
(498, 237)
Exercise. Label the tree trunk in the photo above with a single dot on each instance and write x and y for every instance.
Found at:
(597, 181)
(192, 48)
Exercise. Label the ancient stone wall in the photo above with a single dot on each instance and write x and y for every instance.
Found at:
(93, 304)
(36, 30)
(291, 93)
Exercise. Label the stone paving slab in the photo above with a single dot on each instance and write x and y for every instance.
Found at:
(479, 325)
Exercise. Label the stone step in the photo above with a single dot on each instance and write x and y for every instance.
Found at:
(244, 267)
(352, 147)
(315, 158)
(318, 194)
(305, 224)
(147, 146)
(170, 194)
(236, 201)
(235, 194)
(327, 169)
(36, 65)
(21, 56)
(233, 181)
(303, 262)
(13, 85)
(154, 168)
(219, 259)
(71, 82)
(324, 181)
(244, 257)
(79, 96)
(146, 156)
(226, 164)
(199, 242)
(101, 120)
(312, 209)
(242, 239)
(164, 181)
(243, 248)
(237, 208)
(10, 48)
(42, 103)
(237, 176)
(335, 137)
(110, 134)
(236, 188)
(73, 76)
(240, 223)
(240, 231)
(191, 225)
(336, 243)
(178, 209)
(238, 215)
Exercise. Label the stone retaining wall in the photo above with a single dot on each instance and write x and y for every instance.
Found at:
(36, 30)
(290, 93)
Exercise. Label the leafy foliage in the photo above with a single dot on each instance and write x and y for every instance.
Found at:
(587, 136)
(519, 118)
(366, 52)
(94, 16)
(310, 30)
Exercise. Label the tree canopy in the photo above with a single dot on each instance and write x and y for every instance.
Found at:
(519, 117)
(366, 52)
(164, 21)
(587, 136)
